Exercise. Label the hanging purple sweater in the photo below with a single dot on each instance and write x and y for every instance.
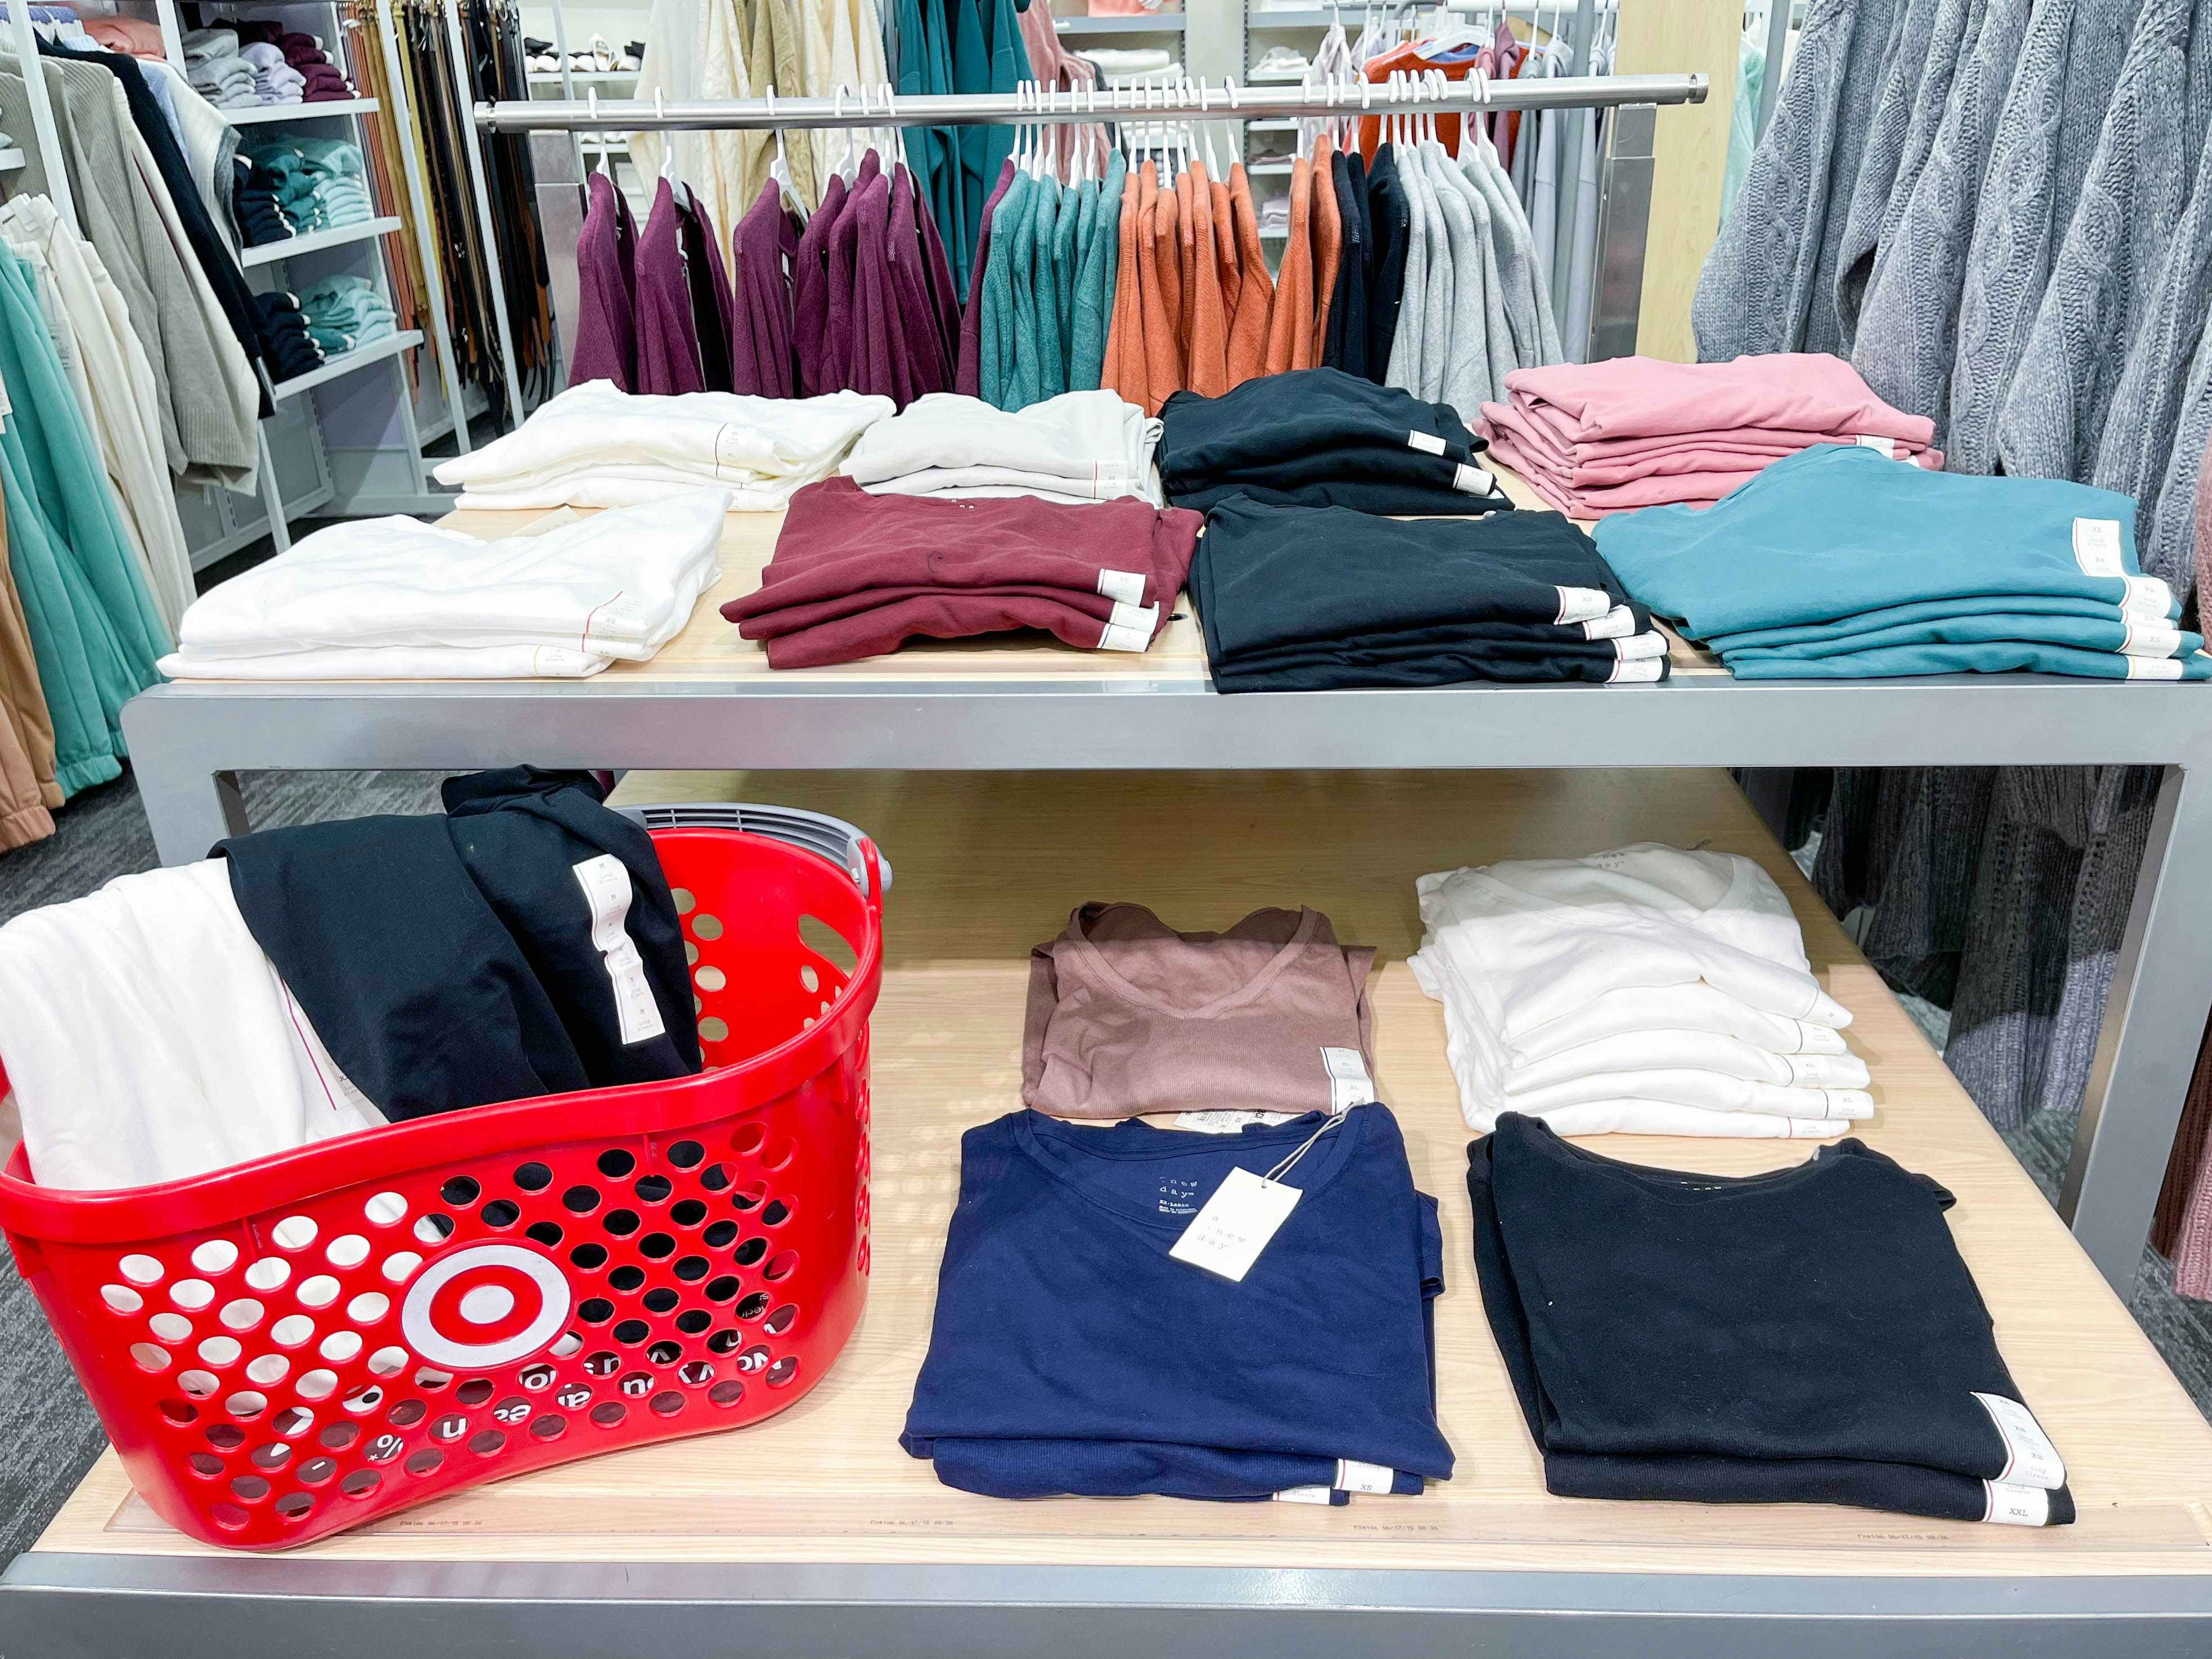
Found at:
(928, 364)
(939, 271)
(809, 292)
(968, 376)
(713, 310)
(876, 357)
(606, 289)
(667, 333)
(765, 248)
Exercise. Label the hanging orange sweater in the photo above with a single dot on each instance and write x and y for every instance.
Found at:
(1327, 237)
(1125, 337)
(1162, 345)
(1209, 317)
(1290, 330)
(1226, 263)
(1255, 299)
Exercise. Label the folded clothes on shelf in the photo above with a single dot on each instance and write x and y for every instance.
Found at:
(857, 576)
(594, 445)
(293, 350)
(1052, 1371)
(138, 37)
(346, 312)
(395, 598)
(1626, 433)
(1321, 598)
(253, 204)
(1806, 1336)
(1836, 563)
(1079, 447)
(1642, 991)
(1128, 1016)
(321, 184)
(1319, 437)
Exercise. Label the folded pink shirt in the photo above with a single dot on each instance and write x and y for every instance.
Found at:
(1643, 397)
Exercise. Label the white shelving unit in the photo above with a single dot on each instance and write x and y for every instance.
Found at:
(337, 367)
(325, 110)
(1166, 22)
(294, 247)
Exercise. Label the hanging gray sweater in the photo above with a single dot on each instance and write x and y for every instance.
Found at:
(1908, 336)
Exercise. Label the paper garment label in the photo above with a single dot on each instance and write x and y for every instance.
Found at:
(1884, 447)
(2015, 1506)
(1229, 1124)
(2153, 668)
(1427, 442)
(1581, 605)
(1349, 1085)
(2142, 638)
(605, 882)
(1617, 623)
(1226, 1236)
(2148, 597)
(1130, 627)
(2096, 547)
(1304, 1495)
(1352, 1475)
(2030, 1458)
(1642, 671)
(1127, 585)
(1471, 480)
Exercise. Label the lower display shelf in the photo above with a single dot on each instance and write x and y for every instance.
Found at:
(991, 863)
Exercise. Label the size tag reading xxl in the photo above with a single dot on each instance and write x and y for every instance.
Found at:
(2015, 1506)
(2030, 1458)
(1225, 1238)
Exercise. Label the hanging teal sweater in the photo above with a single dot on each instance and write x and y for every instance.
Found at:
(996, 343)
(1099, 263)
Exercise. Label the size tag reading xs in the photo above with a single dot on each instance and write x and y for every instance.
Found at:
(1352, 1475)
(2096, 547)
(1349, 1085)
(1226, 1236)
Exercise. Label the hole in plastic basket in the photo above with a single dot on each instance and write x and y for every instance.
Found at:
(651, 1189)
(348, 1251)
(360, 1483)
(500, 1212)
(274, 1456)
(248, 1405)
(626, 1277)
(295, 1505)
(596, 1311)
(228, 1516)
(193, 1293)
(706, 927)
(217, 1255)
(753, 1306)
(220, 1351)
(778, 1153)
(665, 1352)
(180, 1412)
(714, 1177)
(150, 1357)
(267, 1370)
(694, 1373)
(726, 1392)
(749, 1252)
(141, 1269)
(685, 900)
(723, 1341)
(315, 1471)
(609, 1413)
(292, 1422)
(780, 1321)
(384, 1209)
(198, 1384)
(687, 1154)
(533, 1178)
(615, 1163)
(339, 1436)
(293, 1232)
(656, 1246)
(605, 1363)
(687, 1212)
(383, 1448)
(340, 1346)
(666, 1403)
(631, 1332)
(225, 1436)
(387, 1362)
(551, 1426)
(776, 1214)
(242, 1315)
(691, 953)
(363, 1401)
(205, 1465)
(692, 1321)
(460, 1192)
(749, 1196)
(547, 1233)
(691, 1269)
(752, 1359)
(121, 1298)
(396, 1267)
(250, 1487)
(712, 979)
(474, 1392)
(719, 1235)
(580, 1200)
(368, 1308)
(808, 979)
(659, 1299)
(826, 942)
(320, 1292)
(722, 1288)
(620, 1223)
(268, 1273)
(170, 1327)
(488, 1443)
(292, 1330)
(317, 1384)
(434, 1228)
(568, 1343)
(407, 1414)
(426, 1462)
(780, 1265)
(782, 1371)
(430, 1380)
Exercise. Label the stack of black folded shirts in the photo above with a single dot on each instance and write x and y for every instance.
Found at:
(253, 204)
(1318, 600)
(292, 350)
(1319, 437)
(1807, 1336)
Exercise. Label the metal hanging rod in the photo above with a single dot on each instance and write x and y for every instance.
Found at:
(1195, 102)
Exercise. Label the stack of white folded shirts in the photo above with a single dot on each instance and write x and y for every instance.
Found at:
(275, 80)
(1080, 447)
(1646, 991)
(595, 445)
(217, 72)
(394, 598)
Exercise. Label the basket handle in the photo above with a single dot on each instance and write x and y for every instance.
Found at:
(818, 833)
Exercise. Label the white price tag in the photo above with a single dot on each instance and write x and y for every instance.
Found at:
(1349, 1085)
(605, 882)
(1225, 1238)
(2030, 1458)
(1228, 1123)
(1127, 585)
(1427, 442)
(2096, 547)
(2015, 1506)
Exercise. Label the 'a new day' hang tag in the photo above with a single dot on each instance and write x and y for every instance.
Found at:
(1226, 1236)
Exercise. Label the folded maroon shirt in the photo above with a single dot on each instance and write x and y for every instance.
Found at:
(955, 615)
(792, 618)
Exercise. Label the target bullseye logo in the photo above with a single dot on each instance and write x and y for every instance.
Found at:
(485, 1304)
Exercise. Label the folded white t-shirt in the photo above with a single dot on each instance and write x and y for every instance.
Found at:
(1698, 1007)
(1675, 1049)
(393, 662)
(1687, 1086)
(1089, 438)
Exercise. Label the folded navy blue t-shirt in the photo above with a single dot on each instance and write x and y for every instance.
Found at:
(1070, 1354)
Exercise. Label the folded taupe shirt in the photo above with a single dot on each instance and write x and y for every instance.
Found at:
(1127, 1016)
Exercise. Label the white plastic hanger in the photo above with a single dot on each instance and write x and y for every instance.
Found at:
(677, 189)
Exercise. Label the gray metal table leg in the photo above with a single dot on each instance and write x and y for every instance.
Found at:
(191, 802)
(2154, 1021)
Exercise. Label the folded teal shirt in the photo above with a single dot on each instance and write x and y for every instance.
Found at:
(2153, 639)
(1937, 610)
(1836, 530)
(1996, 659)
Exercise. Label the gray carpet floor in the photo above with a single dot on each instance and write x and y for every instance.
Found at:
(48, 1436)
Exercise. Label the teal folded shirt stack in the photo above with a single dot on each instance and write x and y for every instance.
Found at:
(321, 184)
(346, 312)
(1839, 563)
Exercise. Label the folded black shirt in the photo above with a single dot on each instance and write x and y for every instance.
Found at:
(1809, 1335)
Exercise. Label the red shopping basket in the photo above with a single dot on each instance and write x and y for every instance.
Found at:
(294, 1346)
